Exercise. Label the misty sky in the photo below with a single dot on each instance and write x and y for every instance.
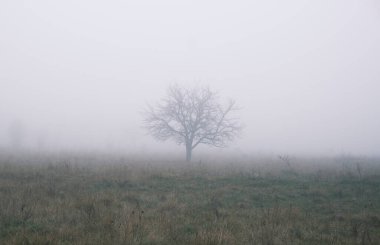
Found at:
(76, 74)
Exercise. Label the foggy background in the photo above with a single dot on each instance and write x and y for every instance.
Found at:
(77, 74)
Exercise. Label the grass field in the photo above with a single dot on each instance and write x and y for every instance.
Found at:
(86, 199)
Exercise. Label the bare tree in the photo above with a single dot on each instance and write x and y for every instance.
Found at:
(192, 116)
(16, 132)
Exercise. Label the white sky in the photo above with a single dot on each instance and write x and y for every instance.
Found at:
(77, 73)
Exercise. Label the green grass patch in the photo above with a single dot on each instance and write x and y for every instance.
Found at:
(179, 204)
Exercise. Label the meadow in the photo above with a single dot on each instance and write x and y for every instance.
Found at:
(113, 199)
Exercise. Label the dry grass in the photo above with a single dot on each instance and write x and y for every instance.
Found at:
(104, 199)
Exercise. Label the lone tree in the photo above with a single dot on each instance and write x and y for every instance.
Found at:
(192, 116)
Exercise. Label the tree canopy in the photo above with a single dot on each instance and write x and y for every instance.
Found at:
(192, 116)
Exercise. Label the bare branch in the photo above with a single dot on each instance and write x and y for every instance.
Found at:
(192, 117)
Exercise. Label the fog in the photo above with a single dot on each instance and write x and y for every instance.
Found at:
(76, 75)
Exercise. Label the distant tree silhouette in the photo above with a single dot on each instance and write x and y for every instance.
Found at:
(16, 132)
(192, 116)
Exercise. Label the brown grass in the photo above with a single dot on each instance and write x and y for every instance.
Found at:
(104, 199)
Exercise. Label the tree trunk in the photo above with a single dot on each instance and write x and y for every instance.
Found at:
(189, 150)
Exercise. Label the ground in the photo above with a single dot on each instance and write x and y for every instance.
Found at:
(85, 199)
